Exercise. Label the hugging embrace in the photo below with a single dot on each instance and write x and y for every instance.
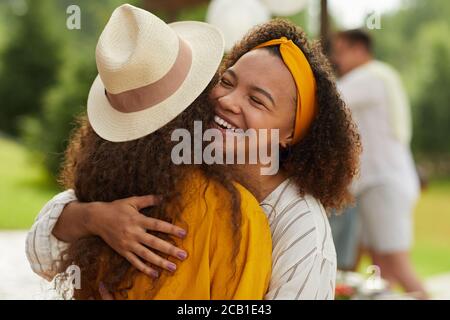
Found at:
(140, 226)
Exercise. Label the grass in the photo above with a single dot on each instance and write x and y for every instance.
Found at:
(25, 188)
(431, 252)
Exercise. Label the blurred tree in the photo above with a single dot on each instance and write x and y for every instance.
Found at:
(414, 39)
(47, 134)
(432, 101)
(30, 63)
(170, 9)
(399, 41)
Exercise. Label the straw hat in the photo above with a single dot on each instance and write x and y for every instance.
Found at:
(149, 72)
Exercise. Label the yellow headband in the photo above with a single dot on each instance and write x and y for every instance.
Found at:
(304, 79)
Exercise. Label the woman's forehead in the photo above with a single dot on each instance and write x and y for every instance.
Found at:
(261, 67)
(256, 59)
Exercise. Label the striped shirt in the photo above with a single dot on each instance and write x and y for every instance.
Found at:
(303, 253)
(303, 257)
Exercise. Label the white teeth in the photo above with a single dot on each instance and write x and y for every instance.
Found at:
(223, 123)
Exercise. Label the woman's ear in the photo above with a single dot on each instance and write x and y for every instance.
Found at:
(287, 140)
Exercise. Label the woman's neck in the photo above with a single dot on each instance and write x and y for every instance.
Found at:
(259, 185)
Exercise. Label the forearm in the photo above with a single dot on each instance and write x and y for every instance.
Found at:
(74, 222)
(64, 220)
(42, 247)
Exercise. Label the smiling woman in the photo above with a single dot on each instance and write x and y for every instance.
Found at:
(325, 161)
(260, 89)
(254, 102)
(275, 79)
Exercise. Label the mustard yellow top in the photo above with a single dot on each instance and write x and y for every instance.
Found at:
(210, 271)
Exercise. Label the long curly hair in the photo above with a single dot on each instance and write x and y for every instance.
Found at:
(99, 170)
(324, 163)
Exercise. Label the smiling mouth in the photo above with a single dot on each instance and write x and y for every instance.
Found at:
(223, 124)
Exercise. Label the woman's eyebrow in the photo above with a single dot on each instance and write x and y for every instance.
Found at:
(264, 92)
(232, 73)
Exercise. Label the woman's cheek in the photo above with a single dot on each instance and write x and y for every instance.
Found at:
(217, 92)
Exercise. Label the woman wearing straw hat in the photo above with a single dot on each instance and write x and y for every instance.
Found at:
(140, 97)
(273, 78)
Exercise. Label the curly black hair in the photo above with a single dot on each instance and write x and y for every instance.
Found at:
(324, 163)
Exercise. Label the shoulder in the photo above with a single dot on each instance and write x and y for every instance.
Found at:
(382, 67)
(203, 192)
(300, 225)
(250, 207)
(322, 230)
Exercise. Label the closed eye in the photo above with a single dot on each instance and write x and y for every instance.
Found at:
(225, 83)
(258, 103)
(256, 100)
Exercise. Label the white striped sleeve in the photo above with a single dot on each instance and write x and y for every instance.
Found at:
(304, 264)
(312, 278)
(42, 247)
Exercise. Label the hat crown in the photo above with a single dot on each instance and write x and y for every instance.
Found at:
(126, 55)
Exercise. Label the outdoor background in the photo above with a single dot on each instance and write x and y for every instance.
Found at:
(46, 71)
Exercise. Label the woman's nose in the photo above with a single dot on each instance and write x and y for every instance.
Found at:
(230, 103)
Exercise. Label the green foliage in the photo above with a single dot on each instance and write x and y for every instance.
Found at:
(197, 13)
(30, 63)
(301, 19)
(47, 134)
(415, 41)
(432, 105)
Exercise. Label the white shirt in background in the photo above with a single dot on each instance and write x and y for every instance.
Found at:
(380, 108)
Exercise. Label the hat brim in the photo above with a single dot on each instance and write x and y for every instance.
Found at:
(207, 47)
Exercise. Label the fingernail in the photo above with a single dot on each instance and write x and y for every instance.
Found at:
(154, 274)
(182, 255)
(182, 234)
(172, 267)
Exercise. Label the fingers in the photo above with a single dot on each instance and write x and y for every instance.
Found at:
(142, 267)
(147, 255)
(104, 293)
(162, 246)
(162, 226)
(144, 201)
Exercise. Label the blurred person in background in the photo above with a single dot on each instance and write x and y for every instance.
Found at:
(388, 187)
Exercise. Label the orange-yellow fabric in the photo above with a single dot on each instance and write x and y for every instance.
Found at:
(304, 79)
(207, 273)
